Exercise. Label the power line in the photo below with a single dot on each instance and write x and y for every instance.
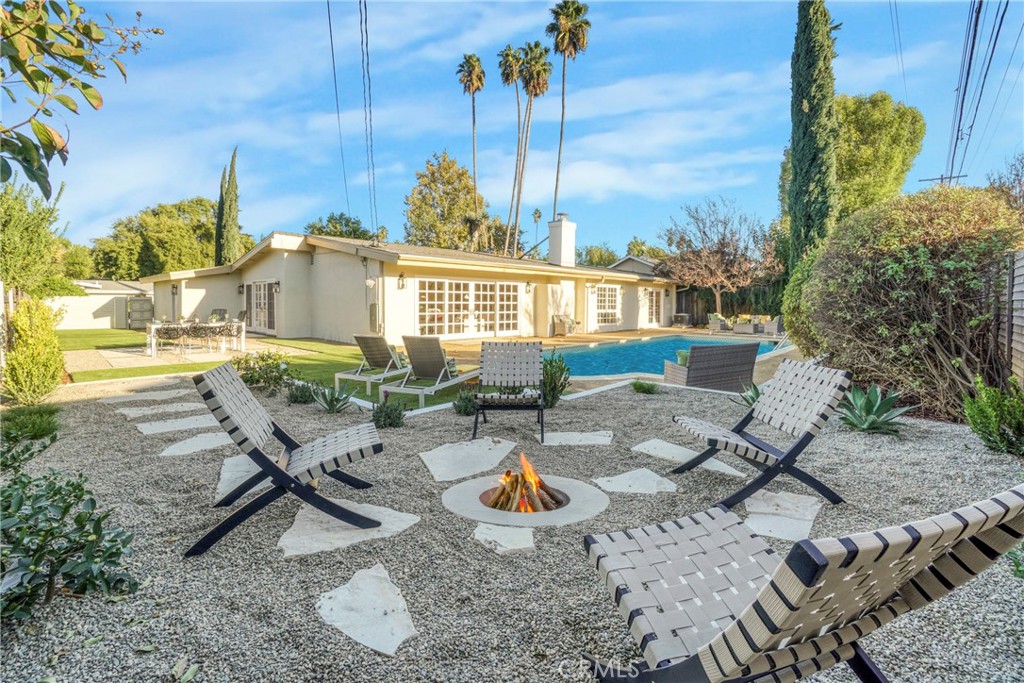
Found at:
(995, 100)
(371, 171)
(966, 64)
(1009, 98)
(337, 110)
(897, 42)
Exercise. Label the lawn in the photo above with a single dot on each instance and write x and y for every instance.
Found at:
(144, 371)
(91, 340)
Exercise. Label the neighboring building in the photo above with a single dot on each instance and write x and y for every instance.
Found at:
(331, 288)
(635, 264)
(105, 305)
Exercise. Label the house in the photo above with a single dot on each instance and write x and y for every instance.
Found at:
(331, 288)
(107, 304)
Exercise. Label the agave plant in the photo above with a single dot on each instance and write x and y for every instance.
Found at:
(749, 396)
(331, 399)
(872, 411)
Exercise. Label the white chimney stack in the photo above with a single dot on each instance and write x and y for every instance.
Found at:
(562, 241)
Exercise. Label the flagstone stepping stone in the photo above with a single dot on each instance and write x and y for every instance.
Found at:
(678, 454)
(370, 610)
(200, 442)
(637, 481)
(181, 423)
(317, 532)
(147, 396)
(457, 460)
(576, 438)
(162, 408)
(781, 515)
(234, 471)
(504, 539)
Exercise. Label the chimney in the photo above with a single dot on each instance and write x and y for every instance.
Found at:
(562, 241)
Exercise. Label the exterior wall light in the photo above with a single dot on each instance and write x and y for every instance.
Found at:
(241, 289)
(529, 287)
(370, 282)
(174, 289)
(666, 292)
(401, 280)
(277, 288)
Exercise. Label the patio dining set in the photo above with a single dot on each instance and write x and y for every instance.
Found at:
(217, 331)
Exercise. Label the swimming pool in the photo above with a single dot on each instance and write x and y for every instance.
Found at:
(616, 358)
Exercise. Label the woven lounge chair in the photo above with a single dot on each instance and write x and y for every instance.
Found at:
(752, 326)
(563, 325)
(295, 471)
(774, 326)
(717, 323)
(798, 400)
(429, 364)
(511, 365)
(708, 601)
(380, 362)
(723, 367)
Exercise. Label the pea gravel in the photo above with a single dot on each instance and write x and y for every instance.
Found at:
(244, 613)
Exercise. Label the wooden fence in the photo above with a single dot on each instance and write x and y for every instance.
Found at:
(1012, 324)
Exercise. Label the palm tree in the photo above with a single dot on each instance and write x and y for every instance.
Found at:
(536, 72)
(536, 225)
(569, 28)
(471, 76)
(511, 64)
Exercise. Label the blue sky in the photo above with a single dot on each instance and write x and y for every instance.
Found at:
(672, 101)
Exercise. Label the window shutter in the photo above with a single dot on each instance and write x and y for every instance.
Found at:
(271, 306)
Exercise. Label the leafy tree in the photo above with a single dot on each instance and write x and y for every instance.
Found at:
(471, 76)
(1009, 184)
(638, 247)
(117, 257)
(535, 74)
(813, 199)
(227, 232)
(719, 248)
(569, 28)
(601, 255)
(51, 50)
(75, 259)
(438, 209)
(29, 258)
(510, 62)
(339, 225)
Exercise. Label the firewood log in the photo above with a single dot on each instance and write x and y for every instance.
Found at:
(531, 497)
(559, 500)
(515, 488)
(546, 500)
(496, 497)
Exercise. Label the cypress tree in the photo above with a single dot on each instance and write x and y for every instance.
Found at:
(232, 243)
(218, 230)
(813, 194)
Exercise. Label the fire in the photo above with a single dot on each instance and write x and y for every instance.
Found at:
(525, 491)
(529, 473)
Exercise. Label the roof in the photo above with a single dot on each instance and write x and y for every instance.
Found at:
(638, 259)
(115, 286)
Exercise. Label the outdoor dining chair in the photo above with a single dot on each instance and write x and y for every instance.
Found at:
(708, 601)
(516, 370)
(295, 471)
(798, 400)
(380, 363)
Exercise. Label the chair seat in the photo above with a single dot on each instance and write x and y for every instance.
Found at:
(724, 440)
(333, 451)
(524, 399)
(680, 583)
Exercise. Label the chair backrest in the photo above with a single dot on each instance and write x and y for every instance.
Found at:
(774, 326)
(801, 397)
(243, 316)
(511, 364)
(169, 331)
(830, 592)
(426, 357)
(219, 314)
(376, 351)
(231, 402)
(723, 367)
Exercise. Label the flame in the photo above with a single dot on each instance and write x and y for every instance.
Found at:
(529, 472)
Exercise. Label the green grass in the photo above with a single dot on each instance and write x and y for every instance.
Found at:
(89, 340)
(30, 422)
(146, 371)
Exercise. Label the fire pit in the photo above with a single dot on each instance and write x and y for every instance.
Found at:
(525, 499)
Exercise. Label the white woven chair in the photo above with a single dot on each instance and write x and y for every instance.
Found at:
(798, 401)
(509, 366)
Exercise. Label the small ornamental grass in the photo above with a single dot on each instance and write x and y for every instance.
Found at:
(30, 422)
(300, 392)
(267, 370)
(465, 403)
(872, 411)
(642, 387)
(388, 414)
(996, 416)
(556, 378)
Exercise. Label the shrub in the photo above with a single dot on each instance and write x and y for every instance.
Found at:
(30, 422)
(1016, 556)
(905, 293)
(54, 538)
(267, 370)
(795, 310)
(300, 392)
(997, 417)
(556, 378)
(35, 365)
(333, 400)
(642, 387)
(871, 411)
(388, 414)
(465, 403)
(682, 357)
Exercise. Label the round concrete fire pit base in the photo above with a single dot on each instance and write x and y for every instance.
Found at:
(585, 501)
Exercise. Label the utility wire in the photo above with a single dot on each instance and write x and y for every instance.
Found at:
(897, 45)
(1009, 98)
(995, 101)
(993, 42)
(970, 47)
(337, 110)
(899, 37)
(371, 171)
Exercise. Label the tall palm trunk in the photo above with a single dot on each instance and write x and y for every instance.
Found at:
(515, 174)
(561, 139)
(528, 119)
(476, 195)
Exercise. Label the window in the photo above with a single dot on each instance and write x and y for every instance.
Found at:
(654, 306)
(431, 307)
(607, 305)
(454, 307)
(485, 306)
(508, 307)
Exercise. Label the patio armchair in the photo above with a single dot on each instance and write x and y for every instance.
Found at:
(728, 367)
(429, 365)
(708, 601)
(752, 325)
(798, 400)
(243, 316)
(219, 315)
(380, 362)
(516, 369)
(297, 469)
(717, 323)
(774, 326)
(563, 325)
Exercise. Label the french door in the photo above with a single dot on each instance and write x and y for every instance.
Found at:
(456, 308)
(261, 303)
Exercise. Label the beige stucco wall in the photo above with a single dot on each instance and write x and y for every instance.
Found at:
(271, 267)
(92, 312)
(340, 303)
(199, 296)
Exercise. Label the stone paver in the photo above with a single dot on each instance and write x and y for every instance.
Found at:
(369, 609)
(781, 515)
(603, 438)
(466, 458)
(181, 423)
(142, 411)
(147, 396)
(316, 532)
(642, 480)
(201, 442)
(504, 539)
(680, 455)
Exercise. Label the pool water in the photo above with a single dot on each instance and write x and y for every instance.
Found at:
(637, 356)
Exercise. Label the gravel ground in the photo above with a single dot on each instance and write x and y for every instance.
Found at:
(243, 613)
